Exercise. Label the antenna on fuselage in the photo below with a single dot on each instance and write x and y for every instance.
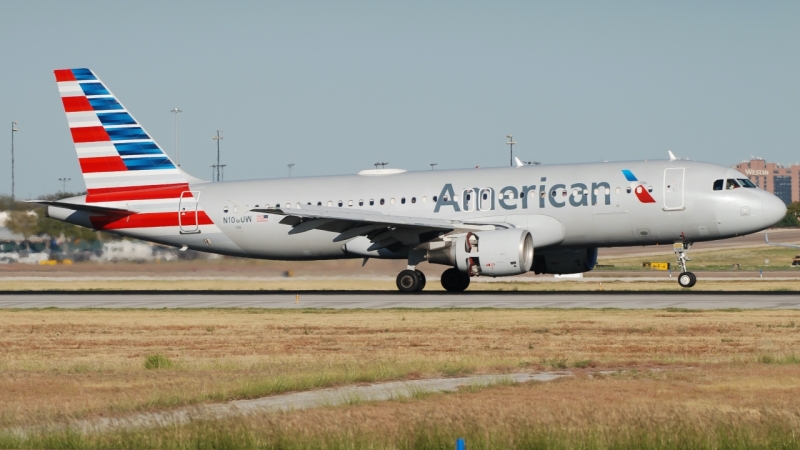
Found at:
(671, 155)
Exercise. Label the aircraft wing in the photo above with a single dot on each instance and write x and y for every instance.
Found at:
(383, 230)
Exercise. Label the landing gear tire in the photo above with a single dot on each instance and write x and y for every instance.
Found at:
(454, 280)
(409, 281)
(422, 280)
(687, 279)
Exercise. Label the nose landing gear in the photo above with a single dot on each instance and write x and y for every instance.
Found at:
(685, 279)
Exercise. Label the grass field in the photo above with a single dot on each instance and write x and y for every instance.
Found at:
(752, 259)
(680, 378)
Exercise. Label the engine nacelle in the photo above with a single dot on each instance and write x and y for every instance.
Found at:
(561, 262)
(494, 253)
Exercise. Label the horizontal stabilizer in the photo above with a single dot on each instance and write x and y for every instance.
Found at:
(85, 207)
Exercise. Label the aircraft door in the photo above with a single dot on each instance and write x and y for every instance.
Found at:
(673, 189)
(187, 212)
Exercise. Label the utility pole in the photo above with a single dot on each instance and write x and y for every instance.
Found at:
(382, 164)
(511, 145)
(13, 130)
(290, 169)
(218, 138)
(64, 184)
(176, 111)
(434, 164)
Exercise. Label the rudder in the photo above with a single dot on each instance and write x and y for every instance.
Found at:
(118, 159)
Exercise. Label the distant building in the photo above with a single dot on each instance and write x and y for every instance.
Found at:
(782, 180)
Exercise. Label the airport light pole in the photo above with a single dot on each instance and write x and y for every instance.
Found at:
(13, 130)
(511, 145)
(64, 183)
(434, 164)
(218, 138)
(176, 111)
(290, 169)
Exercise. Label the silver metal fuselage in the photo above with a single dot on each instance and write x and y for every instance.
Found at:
(584, 205)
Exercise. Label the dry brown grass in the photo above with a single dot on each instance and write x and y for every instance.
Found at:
(56, 364)
(743, 394)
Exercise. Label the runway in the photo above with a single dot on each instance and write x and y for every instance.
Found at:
(383, 300)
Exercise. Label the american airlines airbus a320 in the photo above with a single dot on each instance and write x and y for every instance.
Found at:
(480, 222)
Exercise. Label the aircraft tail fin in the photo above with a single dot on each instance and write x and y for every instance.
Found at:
(118, 159)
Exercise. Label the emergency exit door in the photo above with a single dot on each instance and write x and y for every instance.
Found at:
(187, 212)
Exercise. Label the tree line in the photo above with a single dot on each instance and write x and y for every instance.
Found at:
(28, 219)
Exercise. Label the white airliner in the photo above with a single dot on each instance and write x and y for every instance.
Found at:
(481, 222)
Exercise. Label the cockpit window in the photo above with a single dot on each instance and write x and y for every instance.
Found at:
(746, 183)
(717, 185)
(732, 184)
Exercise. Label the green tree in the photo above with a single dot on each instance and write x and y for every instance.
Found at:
(792, 218)
(22, 222)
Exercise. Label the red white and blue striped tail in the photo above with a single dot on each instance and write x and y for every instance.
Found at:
(119, 160)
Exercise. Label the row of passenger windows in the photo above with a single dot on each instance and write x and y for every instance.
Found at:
(341, 203)
(731, 183)
(484, 195)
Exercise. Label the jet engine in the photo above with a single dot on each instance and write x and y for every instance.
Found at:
(562, 262)
(495, 253)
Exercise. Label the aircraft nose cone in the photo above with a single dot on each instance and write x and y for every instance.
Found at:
(773, 209)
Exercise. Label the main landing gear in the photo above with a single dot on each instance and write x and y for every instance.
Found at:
(413, 280)
(454, 280)
(685, 279)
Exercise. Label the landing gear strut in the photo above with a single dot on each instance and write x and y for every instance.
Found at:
(685, 279)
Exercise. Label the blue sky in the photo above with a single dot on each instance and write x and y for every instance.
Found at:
(334, 87)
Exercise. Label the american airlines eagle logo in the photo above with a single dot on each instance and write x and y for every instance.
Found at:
(640, 188)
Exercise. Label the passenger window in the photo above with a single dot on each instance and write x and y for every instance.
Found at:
(424, 199)
(382, 201)
(319, 203)
(361, 202)
(617, 190)
(372, 202)
(413, 199)
(731, 184)
(349, 203)
(718, 185)
(746, 183)
(341, 203)
(403, 200)
(288, 206)
(435, 198)
(330, 203)
(629, 189)
(391, 201)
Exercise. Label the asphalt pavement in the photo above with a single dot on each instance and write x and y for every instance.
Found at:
(383, 299)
